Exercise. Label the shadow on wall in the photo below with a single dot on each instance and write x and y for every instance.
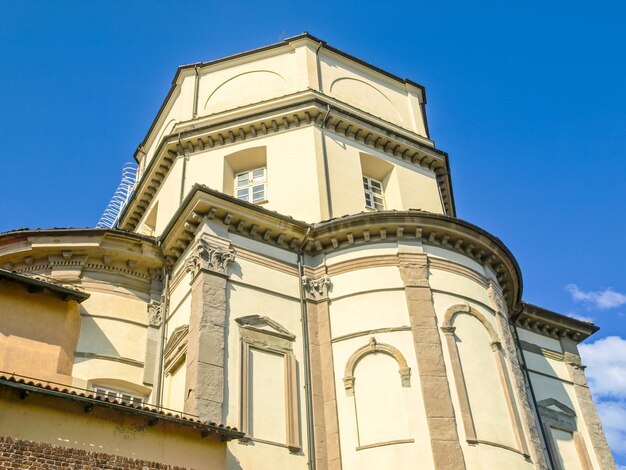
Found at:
(92, 338)
(232, 463)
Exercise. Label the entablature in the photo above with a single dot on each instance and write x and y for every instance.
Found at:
(269, 227)
(280, 115)
(548, 323)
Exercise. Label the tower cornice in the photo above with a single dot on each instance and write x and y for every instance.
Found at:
(281, 115)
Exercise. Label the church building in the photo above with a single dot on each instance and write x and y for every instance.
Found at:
(287, 287)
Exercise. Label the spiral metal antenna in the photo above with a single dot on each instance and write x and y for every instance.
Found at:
(120, 198)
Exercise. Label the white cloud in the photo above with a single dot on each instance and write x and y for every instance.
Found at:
(606, 374)
(606, 367)
(604, 299)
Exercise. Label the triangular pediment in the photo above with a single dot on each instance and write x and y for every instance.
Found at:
(264, 325)
(178, 335)
(555, 405)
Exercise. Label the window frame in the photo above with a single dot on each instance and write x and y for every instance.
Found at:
(104, 391)
(276, 340)
(371, 195)
(250, 186)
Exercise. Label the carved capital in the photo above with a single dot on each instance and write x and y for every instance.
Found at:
(155, 313)
(448, 330)
(497, 299)
(405, 376)
(316, 289)
(209, 257)
(348, 383)
(414, 273)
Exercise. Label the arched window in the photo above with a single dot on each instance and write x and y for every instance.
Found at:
(374, 377)
(488, 407)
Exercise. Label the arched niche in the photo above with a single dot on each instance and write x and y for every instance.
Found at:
(482, 380)
(246, 88)
(375, 376)
(366, 96)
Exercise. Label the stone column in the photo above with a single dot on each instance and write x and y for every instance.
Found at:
(325, 420)
(536, 449)
(204, 383)
(444, 439)
(587, 407)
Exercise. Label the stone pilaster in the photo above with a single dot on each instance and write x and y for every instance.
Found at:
(325, 420)
(444, 439)
(153, 340)
(204, 384)
(536, 447)
(588, 408)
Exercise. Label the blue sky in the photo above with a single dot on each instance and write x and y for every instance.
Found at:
(528, 99)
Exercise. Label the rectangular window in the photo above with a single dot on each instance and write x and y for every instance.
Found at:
(112, 394)
(251, 185)
(373, 194)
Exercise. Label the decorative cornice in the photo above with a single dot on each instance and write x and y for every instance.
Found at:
(279, 115)
(552, 324)
(316, 289)
(207, 256)
(269, 227)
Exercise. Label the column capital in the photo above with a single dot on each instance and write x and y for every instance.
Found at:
(496, 298)
(155, 313)
(316, 289)
(414, 269)
(208, 256)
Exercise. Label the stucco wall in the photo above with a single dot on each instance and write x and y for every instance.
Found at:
(63, 423)
(38, 333)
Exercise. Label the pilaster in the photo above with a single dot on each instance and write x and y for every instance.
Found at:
(535, 447)
(204, 384)
(588, 409)
(325, 419)
(444, 439)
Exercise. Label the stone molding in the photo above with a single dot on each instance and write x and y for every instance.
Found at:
(175, 349)
(562, 418)
(277, 339)
(207, 256)
(316, 289)
(449, 329)
(374, 347)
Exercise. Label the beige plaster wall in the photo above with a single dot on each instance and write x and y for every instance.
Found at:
(376, 94)
(178, 108)
(360, 430)
(370, 302)
(38, 333)
(64, 423)
(406, 187)
(282, 71)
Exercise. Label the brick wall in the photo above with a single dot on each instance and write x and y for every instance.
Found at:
(17, 453)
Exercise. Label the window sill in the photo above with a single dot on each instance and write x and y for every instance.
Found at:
(386, 443)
